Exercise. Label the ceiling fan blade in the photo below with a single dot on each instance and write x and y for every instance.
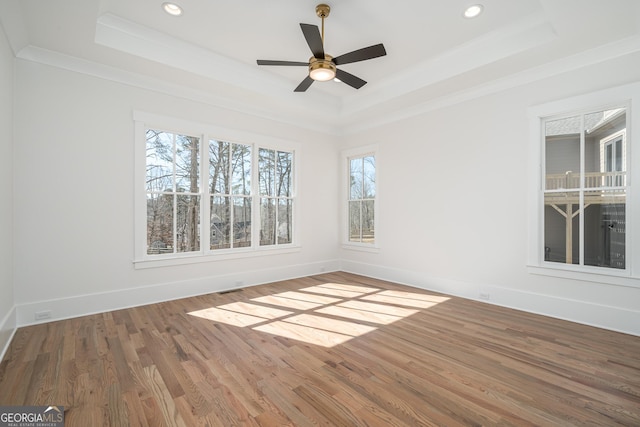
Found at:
(314, 39)
(350, 79)
(361, 54)
(289, 63)
(304, 85)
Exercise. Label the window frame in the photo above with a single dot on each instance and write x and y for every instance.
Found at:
(174, 194)
(229, 193)
(276, 199)
(612, 141)
(627, 96)
(207, 132)
(347, 156)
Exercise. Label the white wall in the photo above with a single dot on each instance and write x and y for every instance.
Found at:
(452, 188)
(74, 198)
(7, 313)
(453, 204)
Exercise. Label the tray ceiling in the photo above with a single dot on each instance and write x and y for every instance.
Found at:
(210, 52)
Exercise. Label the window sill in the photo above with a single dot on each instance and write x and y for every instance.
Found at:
(362, 247)
(222, 255)
(595, 275)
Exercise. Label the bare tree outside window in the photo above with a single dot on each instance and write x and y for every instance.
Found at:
(230, 189)
(276, 196)
(204, 195)
(173, 206)
(362, 193)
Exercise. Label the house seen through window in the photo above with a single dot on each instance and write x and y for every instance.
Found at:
(585, 188)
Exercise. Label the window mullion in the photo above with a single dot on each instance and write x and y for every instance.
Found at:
(581, 192)
(174, 189)
(255, 198)
(205, 197)
(360, 204)
(362, 190)
(276, 197)
(229, 195)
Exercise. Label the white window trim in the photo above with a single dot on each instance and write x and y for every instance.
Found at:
(144, 121)
(346, 155)
(628, 95)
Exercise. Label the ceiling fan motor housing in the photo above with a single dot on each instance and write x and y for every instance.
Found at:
(322, 70)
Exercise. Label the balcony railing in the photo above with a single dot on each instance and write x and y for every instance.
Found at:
(571, 180)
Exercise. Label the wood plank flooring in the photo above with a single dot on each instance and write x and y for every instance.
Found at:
(333, 350)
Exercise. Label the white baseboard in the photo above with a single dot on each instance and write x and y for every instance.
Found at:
(81, 305)
(589, 313)
(8, 328)
(584, 312)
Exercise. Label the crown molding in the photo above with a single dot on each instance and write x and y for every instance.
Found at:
(521, 36)
(13, 25)
(127, 36)
(316, 121)
(326, 115)
(587, 58)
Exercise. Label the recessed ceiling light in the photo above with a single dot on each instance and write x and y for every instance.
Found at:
(172, 9)
(473, 11)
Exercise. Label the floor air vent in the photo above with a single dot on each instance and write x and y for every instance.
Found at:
(229, 291)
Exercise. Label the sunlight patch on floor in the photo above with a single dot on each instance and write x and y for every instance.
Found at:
(331, 325)
(241, 313)
(343, 291)
(284, 301)
(390, 298)
(360, 315)
(325, 315)
(312, 298)
(304, 333)
(392, 310)
(228, 317)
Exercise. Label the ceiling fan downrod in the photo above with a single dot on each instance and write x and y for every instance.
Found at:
(322, 10)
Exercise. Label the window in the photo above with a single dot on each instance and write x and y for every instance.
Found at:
(205, 196)
(173, 196)
(276, 202)
(229, 195)
(362, 199)
(583, 193)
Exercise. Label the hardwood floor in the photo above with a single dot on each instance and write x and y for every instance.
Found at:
(334, 350)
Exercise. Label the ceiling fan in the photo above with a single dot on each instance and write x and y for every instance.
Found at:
(323, 67)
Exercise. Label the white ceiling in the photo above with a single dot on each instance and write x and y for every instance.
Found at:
(433, 53)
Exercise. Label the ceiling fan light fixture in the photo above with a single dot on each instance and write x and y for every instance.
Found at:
(172, 9)
(322, 70)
